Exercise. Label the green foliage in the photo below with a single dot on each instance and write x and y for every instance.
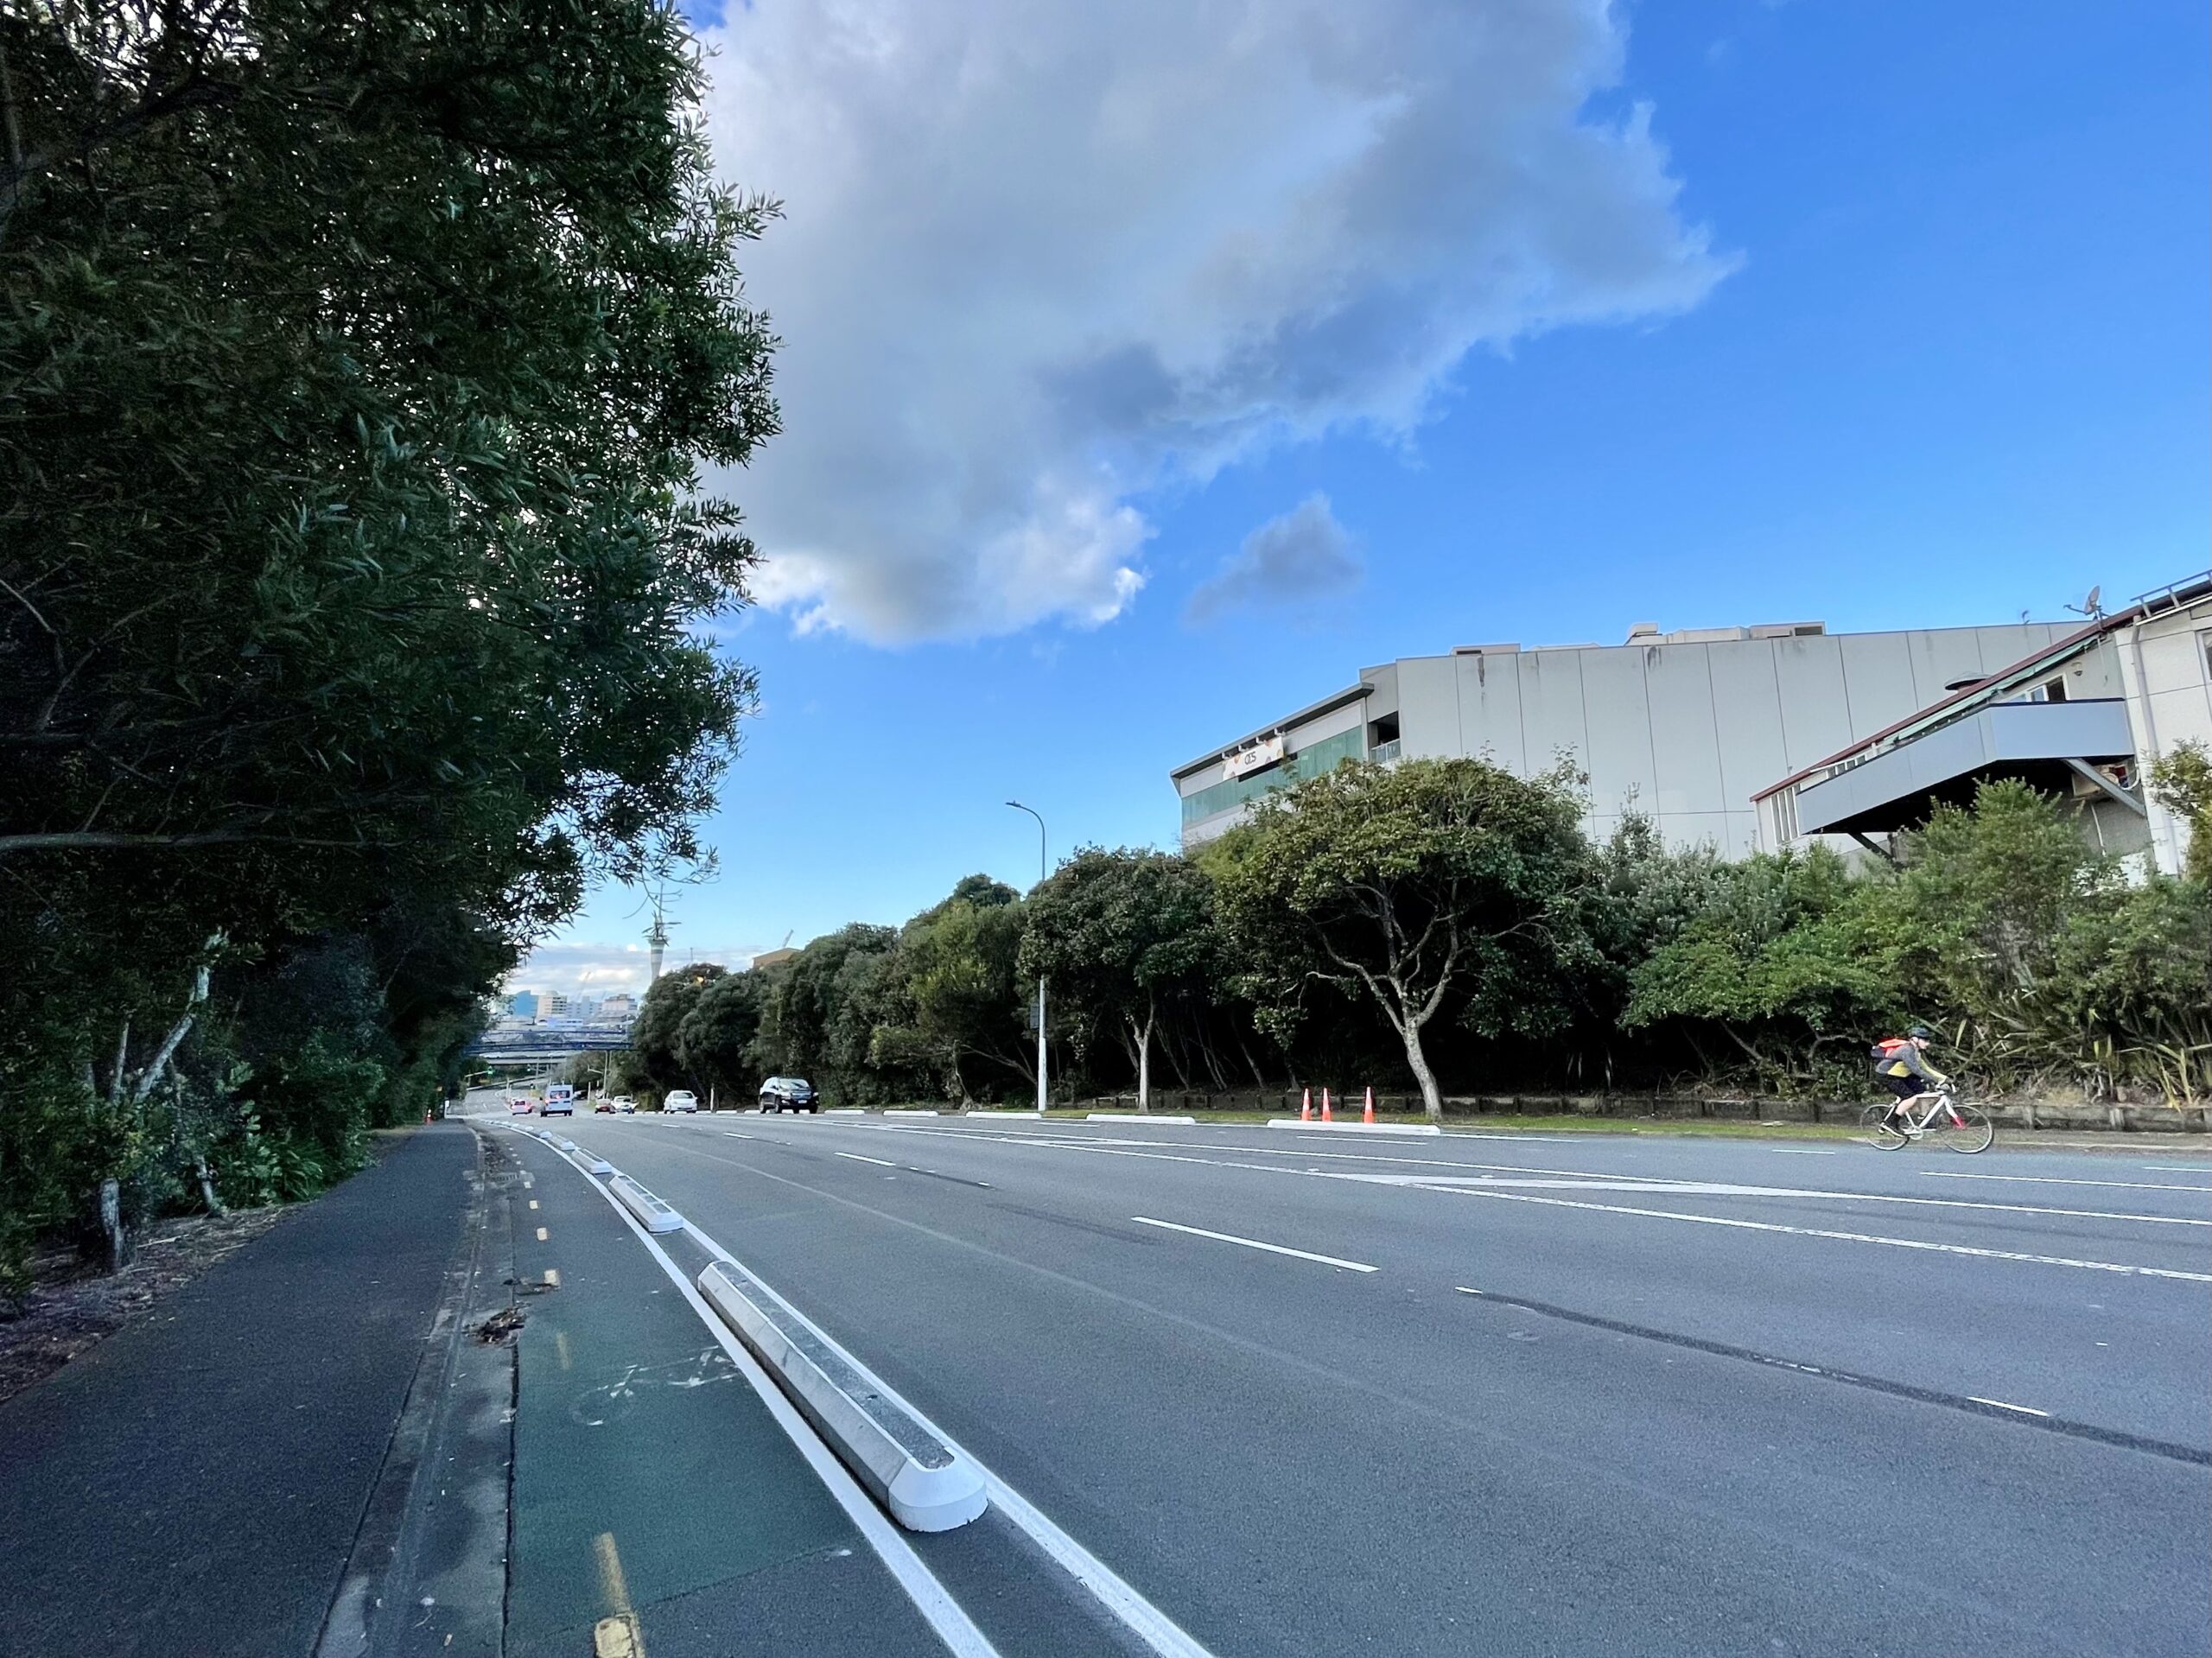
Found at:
(357, 370)
(2182, 782)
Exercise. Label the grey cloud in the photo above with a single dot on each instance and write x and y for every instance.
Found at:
(1292, 562)
(1041, 258)
(600, 970)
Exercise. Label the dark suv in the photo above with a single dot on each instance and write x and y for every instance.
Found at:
(788, 1094)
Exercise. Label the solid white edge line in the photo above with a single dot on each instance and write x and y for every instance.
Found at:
(1146, 1621)
(1254, 1244)
(855, 1157)
(2000, 1404)
(945, 1616)
(2059, 1180)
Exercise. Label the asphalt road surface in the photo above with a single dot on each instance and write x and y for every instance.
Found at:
(1508, 1393)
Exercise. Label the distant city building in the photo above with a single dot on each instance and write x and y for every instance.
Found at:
(622, 1005)
(1684, 727)
(523, 1004)
(553, 1005)
(774, 957)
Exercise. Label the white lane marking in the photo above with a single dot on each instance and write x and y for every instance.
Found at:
(855, 1157)
(2061, 1180)
(1823, 1232)
(931, 1598)
(1802, 1151)
(2002, 1404)
(1254, 1244)
(1576, 1179)
(1146, 1621)
(2176, 1168)
(731, 1133)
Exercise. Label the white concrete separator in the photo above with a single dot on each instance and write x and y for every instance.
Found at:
(988, 1111)
(844, 1111)
(905, 1111)
(1355, 1127)
(600, 1165)
(654, 1215)
(1138, 1116)
(926, 1485)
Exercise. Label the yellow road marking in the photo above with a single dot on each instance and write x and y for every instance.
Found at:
(619, 1635)
(541, 1235)
(552, 1278)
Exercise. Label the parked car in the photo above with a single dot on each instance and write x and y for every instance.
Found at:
(625, 1105)
(681, 1099)
(788, 1094)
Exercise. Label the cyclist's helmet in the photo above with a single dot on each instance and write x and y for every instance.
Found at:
(1921, 1034)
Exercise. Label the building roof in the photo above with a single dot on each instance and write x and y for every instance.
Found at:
(1983, 689)
(1311, 711)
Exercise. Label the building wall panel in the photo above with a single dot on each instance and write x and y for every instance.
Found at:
(1551, 720)
(1685, 740)
(1618, 715)
(1816, 717)
(1428, 707)
(1489, 709)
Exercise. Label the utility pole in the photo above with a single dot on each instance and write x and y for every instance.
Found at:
(1043, 1087)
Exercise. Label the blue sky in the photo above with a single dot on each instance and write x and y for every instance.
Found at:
(1879, 313)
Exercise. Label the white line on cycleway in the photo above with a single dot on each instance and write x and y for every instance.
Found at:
(1254, 1244)
(945, 1615)
(1595, 1179)
(2121, 1269)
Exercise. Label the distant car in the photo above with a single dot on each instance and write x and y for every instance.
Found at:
(624, 1104)
(681, 1099)
(788, 1094)
(559, 1101)
(520, 1106)
(604, 1102)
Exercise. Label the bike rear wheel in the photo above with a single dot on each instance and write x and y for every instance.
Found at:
(1881, 1128)
(1963, 1128)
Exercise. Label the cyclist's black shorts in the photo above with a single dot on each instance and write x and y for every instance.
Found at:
(1906, 1087)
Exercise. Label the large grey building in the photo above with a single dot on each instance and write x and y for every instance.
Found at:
(1685, 727)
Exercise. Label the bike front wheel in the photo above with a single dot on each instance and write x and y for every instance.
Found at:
(1881, 1128)
(1963, 1128)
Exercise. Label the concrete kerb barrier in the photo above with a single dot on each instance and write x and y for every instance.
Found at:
(600, 1165)
(1352, 1127)
(905, 1111)
(926, 1484)
(991, 1111)
(565, 1145)
(652, 1214)
(842, 1111)
(1137, 1116)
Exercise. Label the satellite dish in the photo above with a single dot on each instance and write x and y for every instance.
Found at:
(2090, 606)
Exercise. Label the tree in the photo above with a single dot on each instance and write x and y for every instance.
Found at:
(949, 996)
(358, 367)
(1418, 884)
(656, 1036)
(808, 1029)
(2182, 782)
(717, 1042)
(1116, 933)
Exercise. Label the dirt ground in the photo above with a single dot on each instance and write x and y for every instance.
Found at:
(72, 1306)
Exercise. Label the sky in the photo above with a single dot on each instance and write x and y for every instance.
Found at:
(1150, 368)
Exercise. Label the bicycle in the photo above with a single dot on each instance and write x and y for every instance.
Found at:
(1945, 1121)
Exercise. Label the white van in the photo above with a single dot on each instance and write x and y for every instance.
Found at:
(681, 1099)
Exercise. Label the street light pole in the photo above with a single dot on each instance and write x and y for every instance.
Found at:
(1042, 871)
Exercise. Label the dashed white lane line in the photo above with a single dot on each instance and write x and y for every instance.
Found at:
(2063, 1180)
(2176, 1168)
(728, 1133)
(855, 1157)
(2006, 1404)
(1802, 1151)
(1254, 1244)
(2121, 1269)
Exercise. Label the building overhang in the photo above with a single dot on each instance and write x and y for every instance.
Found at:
(2047, 744)
(1288, 722)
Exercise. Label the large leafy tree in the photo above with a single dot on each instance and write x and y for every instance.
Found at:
(1120, 934)
(358, 366)
(1429, 886)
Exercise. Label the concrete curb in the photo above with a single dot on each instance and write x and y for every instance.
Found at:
(652, 1214)
(600, 1165)
(903, 1111)
(1138, 1116)
(842, 1111)
(1354, 1127)
(926, 1484)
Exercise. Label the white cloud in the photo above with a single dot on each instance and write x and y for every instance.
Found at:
(1292, 562)
(575, 969)
(1041, 256)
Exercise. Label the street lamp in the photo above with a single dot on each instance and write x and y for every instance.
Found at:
(1042, 872)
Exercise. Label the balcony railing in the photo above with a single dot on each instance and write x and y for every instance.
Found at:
(1382, 753)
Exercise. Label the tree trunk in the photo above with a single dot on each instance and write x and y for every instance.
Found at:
(1144, 1057)
(1431, 1100)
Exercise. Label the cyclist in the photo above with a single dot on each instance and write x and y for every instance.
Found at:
(1901, 1062)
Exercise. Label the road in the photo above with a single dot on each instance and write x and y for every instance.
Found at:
(1518, 1394)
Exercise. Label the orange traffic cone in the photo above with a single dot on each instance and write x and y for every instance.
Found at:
(1305, 1107)
(1325, 1117)
(1370, 1117)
